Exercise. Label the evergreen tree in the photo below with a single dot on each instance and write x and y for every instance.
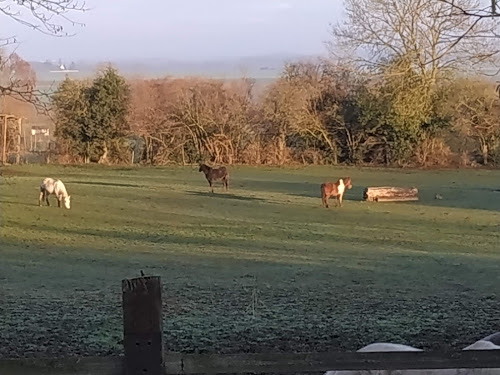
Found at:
(91, 117)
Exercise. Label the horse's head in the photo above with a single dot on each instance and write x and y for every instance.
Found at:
(67, 202)
(202, 167)
(347, 182)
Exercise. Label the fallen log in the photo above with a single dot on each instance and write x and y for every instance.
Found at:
(390, 194)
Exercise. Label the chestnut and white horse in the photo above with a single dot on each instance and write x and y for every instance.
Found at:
(52, 186)
(335, 189)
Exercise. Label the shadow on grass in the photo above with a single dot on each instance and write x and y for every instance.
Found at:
(475, 198)
(293, 312)
(15, 173)
(224, 196)
(21, 203)
(271, 186)
(355, 194)
(270, 243)
(105, 184)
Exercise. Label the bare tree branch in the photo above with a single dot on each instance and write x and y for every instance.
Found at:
(424, 32)
(50, 17)
(46, 16)
(490, 11)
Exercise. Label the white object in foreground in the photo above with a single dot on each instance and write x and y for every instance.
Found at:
(487, 343)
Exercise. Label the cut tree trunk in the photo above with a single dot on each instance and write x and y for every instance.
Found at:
(390, 194)
(104, 157)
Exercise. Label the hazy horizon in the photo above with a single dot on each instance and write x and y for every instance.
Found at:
(184, 31)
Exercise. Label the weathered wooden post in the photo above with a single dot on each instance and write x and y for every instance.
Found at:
(18, 140)
(4, 140)
(142, 326)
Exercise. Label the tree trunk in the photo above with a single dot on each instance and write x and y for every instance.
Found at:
(87, 154)
(257, 152)
(281, 149)
(485, 154)
(390, 194)
(145, 154)
(104, 157)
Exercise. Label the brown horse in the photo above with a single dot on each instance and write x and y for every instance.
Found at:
(335, 189)
(215, 174)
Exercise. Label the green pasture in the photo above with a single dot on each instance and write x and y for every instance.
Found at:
(261, 268)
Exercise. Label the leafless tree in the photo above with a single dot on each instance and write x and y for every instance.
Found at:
(422, 32)
(46, 16)
(50, 17)
(476, 113)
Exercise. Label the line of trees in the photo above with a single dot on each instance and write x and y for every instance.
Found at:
(316, 112)
(402, 88)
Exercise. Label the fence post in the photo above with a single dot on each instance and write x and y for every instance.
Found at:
(142, 326)
(4, 138)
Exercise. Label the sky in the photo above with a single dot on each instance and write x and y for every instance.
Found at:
(121, 30)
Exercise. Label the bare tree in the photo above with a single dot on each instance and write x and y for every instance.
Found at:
(215, 119)
(17, 79)
(46, 16)
(149, 118)
(476, 111)
(422, 32)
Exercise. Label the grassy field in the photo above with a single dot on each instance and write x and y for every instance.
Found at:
(263, 267)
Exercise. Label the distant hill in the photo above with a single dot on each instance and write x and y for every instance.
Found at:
(266, 67)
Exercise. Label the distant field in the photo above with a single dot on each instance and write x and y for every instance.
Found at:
(261, 268)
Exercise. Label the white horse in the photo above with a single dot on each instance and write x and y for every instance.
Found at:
(490, 342)
(56, 187)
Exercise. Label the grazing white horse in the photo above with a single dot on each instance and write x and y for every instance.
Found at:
(56, 187)
(490, 342)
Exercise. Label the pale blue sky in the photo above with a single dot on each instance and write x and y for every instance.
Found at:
(185, 29)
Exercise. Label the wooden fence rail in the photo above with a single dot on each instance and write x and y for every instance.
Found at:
(144, 355)
(258, 363)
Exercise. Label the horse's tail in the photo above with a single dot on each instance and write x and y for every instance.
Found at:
(323, 192)
(324, 198)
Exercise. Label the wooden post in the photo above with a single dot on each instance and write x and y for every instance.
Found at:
(4, 140)
(142, 326)
(18, 140)
(25, 142)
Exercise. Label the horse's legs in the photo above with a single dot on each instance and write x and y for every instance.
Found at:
(340, 199)
(225, 182)
(336, 200)
(40, 198)
(59, 202)
(211, 185)
(325, 200)
(47, 198)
